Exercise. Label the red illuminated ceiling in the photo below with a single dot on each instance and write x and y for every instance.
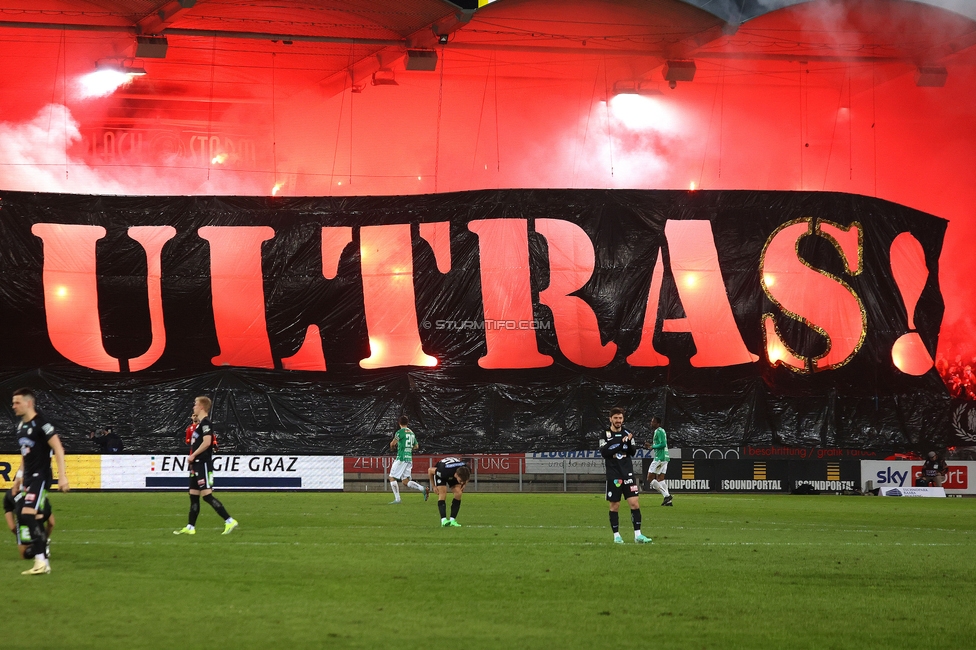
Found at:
(317, 97)
(221, 51)
(330, 38)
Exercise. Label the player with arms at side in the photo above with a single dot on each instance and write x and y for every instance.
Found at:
(38, 442)
(200, 462)
(617, 448)
(405, 443)
(449, 473)
(658, 470)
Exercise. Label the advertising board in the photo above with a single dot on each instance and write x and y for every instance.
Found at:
(902, 474)
(230, 472)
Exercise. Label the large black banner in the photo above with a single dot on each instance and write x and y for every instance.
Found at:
(496, 320)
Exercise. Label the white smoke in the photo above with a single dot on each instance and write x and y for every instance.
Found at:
(728, 9)
(634, 142)
(34, 156)
(102, 83)
(963, 7)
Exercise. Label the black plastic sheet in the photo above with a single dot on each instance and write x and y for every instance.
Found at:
(459, 405)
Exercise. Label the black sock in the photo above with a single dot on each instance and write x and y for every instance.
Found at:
(194, 509)
(615, 521)
(455, 506)
(35, 540)
(39, 544)
(635, 516)
(25, 530)
(217, 505)
(442, 508)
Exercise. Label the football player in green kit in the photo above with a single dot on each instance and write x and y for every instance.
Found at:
(405, 443)
(659, 465)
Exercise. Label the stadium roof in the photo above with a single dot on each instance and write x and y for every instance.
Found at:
(341, 42)
(375, 24)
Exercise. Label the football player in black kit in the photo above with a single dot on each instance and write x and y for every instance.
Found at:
(13, 500)
(37, 442)
(449, 473)
(617, 448)
(200, 462)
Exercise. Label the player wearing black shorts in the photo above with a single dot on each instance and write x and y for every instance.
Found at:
(38, 442)
(200, 462)
(617, 448)
(449, 473)
(13, 501)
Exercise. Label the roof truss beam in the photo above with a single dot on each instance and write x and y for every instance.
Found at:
(163, 16)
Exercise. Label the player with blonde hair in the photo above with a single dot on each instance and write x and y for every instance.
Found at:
(200, 462)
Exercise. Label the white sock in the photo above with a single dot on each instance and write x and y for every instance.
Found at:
(414, 485)
(443, 519)
(616, 535)
(660, 487)
(637, 533)
(228, 520)
(396, 490)
(40, 556)
(190, 526)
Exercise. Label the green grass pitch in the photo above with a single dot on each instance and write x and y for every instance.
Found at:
(313, 570)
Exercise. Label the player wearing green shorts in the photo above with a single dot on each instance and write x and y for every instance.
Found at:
(405, 442)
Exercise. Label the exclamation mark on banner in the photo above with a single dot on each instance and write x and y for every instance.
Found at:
(910, 272)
